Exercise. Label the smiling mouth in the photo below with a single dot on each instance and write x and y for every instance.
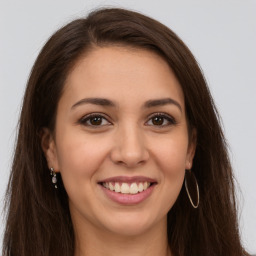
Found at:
(127, 188)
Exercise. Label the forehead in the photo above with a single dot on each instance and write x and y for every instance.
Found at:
(121, 74)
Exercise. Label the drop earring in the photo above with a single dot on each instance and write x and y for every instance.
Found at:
(54, 178)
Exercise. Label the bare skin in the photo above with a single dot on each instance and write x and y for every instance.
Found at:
(136, 127)
(103, 243)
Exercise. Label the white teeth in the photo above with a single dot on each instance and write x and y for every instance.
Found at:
(117, 187)
(133, 188)
(111, 187)
(126, 188)
(141, 187)
(105, 184)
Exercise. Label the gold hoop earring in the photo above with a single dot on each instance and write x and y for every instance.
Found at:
(54, 178)
(189, 175)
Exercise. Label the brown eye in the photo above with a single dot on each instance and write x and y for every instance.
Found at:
(97, 120)
(94, 120)
(161, 120)
(158, 120)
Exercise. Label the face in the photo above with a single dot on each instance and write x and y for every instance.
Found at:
(121, 140)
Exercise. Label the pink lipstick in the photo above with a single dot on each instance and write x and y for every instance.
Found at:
(128, 190)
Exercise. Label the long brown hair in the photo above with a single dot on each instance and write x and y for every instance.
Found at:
(38, 218)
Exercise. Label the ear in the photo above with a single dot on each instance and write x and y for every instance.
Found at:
(191, 149)
(49, 148)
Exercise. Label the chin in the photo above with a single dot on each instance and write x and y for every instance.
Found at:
(131, 224)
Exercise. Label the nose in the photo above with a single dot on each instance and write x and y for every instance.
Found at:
(129, 147)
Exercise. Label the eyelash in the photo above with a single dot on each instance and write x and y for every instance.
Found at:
(171, 120)
(87, 118)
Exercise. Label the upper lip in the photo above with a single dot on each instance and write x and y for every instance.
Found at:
(129, 179)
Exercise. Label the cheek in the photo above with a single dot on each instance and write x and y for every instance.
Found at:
(171, 155)
(79, 157)
(171, 161)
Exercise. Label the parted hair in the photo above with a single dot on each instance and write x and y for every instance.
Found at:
(38, 220)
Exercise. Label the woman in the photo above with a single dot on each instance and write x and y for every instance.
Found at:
(119, 150)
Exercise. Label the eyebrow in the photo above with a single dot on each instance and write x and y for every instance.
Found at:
(95, 101)
(162, 102)
(109, 103)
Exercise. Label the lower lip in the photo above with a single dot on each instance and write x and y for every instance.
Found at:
(128, 199)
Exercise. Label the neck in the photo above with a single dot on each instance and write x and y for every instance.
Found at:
(98, 243)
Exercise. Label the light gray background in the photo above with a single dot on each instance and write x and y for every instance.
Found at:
(222, 36)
